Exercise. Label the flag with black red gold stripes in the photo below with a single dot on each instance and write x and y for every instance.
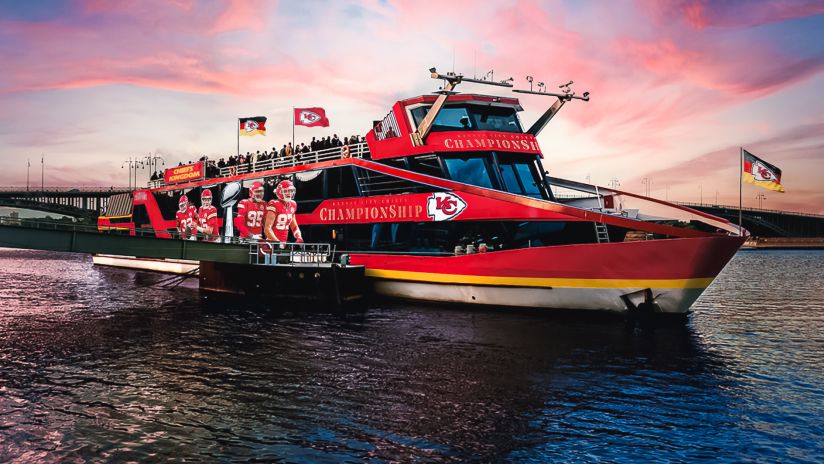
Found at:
(761, 173)
(253, 126)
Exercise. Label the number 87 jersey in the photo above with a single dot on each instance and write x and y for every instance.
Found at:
(284, 212)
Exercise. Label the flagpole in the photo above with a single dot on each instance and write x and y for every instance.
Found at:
(42, 171)
(740, 187)
(237, 131)
(293, 130)
(28, 168)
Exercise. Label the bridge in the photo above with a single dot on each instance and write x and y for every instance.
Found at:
(78, 202)
(768, 222)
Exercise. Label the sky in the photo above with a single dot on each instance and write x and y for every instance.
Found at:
(676, 86)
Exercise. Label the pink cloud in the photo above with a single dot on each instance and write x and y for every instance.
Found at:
(700, 14)
(240, 15)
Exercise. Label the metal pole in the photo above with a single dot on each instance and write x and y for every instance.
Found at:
(237, 132)
(42, 171)
(740, 186)
(28, 168)
(293, 131)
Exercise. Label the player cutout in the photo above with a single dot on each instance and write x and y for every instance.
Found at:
(280, 215)
(207, 223)
(250, 212)
(186, 219)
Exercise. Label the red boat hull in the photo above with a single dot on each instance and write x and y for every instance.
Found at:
(598, 276)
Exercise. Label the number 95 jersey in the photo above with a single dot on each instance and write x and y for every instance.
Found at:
(284, 213)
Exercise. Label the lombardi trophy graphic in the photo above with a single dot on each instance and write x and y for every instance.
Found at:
(228, 198)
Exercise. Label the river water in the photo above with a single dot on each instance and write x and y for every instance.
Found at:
(97, 364)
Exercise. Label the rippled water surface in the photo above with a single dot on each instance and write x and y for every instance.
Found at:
(98, 364)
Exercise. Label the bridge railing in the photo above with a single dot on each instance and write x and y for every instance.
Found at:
(749, 209)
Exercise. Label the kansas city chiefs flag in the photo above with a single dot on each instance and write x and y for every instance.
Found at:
(761, 173)
(253, 126)
(311, 117)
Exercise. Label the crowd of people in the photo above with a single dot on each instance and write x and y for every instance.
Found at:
(213, 167)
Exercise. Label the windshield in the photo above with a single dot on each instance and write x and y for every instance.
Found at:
(519, 175)
(468, 170)
(471, 117)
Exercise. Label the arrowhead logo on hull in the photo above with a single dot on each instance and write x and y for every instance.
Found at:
(443, 206)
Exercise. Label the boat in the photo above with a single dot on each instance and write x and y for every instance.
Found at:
(448, 200)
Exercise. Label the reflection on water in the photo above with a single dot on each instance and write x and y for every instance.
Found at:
(96, 363)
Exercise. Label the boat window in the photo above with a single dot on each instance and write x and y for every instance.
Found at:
(495, 118)
(528, 180)
(471, 117)
(519, 175)
(427, 164)
(448, 119)
(469, 170)
(340, 183)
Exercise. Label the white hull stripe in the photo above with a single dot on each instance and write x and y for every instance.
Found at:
(606, 299)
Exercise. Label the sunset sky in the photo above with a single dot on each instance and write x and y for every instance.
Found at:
(676, 87)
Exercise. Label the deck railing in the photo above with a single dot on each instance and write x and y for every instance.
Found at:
(358, 150)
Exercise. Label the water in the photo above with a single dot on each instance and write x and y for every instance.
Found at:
(96, 365)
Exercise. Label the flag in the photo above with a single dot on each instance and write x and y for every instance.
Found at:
(761, 173)
(311, 117)
(253, 126)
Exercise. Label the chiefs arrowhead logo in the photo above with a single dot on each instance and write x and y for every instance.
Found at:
(443, 206)
(309, 117)
(761, 172)
(250, 126)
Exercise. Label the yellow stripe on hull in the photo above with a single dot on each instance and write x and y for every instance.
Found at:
(701, 283)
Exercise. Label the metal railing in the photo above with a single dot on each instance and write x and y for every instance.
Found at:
(357, 150)
(65, 189)
(754, 210)
(289, 253)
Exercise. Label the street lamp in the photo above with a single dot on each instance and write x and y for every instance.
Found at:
(647, 182)
(761, 198)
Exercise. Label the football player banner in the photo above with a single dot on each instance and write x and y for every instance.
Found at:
(761, 173)
(252, 126)
(185, 173)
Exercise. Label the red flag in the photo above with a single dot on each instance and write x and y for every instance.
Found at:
(311, 117)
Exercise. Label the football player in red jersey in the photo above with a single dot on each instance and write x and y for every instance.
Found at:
(186, 218)
(207, 218)
(280, 214)
(249, 219)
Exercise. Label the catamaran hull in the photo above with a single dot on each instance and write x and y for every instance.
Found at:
(669, 300)
(664, 276)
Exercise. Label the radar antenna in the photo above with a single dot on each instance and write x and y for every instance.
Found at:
(566, 94)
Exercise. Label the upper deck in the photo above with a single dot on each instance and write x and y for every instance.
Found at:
(465, 122)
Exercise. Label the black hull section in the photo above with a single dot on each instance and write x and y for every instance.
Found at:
(328, 284)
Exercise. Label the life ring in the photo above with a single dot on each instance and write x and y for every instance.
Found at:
(344, 152)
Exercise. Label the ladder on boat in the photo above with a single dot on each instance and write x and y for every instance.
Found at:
(601, 232)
